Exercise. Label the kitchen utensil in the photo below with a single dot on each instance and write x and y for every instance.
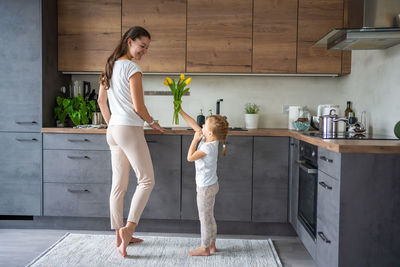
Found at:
(324, 109)
(326, 124)
(86, 89)
(97, 118)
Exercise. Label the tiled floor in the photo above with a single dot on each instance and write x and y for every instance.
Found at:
(19, 246)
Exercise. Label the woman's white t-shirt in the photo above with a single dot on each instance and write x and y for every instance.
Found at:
(119, 94)
(206, 167)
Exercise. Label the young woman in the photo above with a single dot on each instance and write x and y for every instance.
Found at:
(205, 157)
(121, 86)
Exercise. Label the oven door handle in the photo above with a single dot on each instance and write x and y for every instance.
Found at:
(306, 169)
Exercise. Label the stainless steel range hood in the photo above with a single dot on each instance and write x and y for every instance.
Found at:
(372, 24)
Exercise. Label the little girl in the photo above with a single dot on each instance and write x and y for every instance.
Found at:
(205, 157)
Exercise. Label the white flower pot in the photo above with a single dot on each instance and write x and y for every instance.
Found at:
(251, 121)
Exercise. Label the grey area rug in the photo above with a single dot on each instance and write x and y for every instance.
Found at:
(100, 250)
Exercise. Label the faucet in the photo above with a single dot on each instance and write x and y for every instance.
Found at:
(218, 109)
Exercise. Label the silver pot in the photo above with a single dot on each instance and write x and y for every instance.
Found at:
(327, 124)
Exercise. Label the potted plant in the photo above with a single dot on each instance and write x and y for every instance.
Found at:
(77, 108)
(251, 115)
(59, 112)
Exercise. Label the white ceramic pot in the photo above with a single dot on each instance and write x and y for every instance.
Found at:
(251, 120)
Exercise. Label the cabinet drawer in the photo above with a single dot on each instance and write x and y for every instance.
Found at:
(82, 200)
(329, 162)
(75, 141)
(21, 160)
(327, 245)
(76, 166)
(328, 199)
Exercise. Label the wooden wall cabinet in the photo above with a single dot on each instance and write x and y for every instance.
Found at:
(315, 19)
(206, 36)
(274, 36)
(219, 36)
(166, 22)
(88, 32)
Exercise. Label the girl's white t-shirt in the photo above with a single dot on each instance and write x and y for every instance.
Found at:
(119, 94)
(206, 167)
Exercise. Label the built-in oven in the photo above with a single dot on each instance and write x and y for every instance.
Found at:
(308, 180)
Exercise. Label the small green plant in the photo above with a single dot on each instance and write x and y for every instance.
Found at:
(77, 108)
(251, 108)
(59, 112)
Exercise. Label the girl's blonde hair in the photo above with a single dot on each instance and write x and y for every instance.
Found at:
(219, 126)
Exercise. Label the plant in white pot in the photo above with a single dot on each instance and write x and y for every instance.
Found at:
(251, 115)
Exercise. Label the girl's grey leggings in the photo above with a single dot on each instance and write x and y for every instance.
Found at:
(205, 204)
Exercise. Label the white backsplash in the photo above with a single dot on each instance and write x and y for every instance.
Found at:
(373, 85)
(268, 92)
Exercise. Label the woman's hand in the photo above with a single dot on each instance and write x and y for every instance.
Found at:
(156, 126)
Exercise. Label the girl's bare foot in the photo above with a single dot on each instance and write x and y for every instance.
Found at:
(200, 252)
(125, 235)
(213, 249)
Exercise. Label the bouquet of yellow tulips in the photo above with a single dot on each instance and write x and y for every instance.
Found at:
(178, 90)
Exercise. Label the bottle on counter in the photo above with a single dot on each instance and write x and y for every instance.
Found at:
(348, 109)
(201, 119)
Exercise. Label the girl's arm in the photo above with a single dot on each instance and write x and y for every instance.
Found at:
(192, 123)
(194, 155)
(135, 85)
(102, 101)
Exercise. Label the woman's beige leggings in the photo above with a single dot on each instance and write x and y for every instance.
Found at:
(129, 148)
(205, 204)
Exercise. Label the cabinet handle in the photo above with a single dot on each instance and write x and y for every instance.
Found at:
(326, 159)
(78, 140)
(324, 185)
(308, 170)
(26, 140)
(78, 190)
(151, 141)
(323, 237)
(78, 157)
(26, 122)
(300, 161)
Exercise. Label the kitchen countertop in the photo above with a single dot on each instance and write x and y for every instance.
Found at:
(336, 145)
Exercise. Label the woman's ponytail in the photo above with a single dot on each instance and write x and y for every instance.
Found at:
(119, 51)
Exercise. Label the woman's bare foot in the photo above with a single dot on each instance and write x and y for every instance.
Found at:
(125, 235)
(133, 240)
(200, 252)
(213, 249)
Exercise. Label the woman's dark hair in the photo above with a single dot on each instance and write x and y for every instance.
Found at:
(119, 51)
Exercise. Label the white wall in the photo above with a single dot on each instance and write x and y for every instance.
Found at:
(373, 85)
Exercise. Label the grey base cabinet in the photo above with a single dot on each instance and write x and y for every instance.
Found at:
(164, 201)
(20, 173)
(270, 179)
(233, 201)
(358, 209)
(76, 175)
